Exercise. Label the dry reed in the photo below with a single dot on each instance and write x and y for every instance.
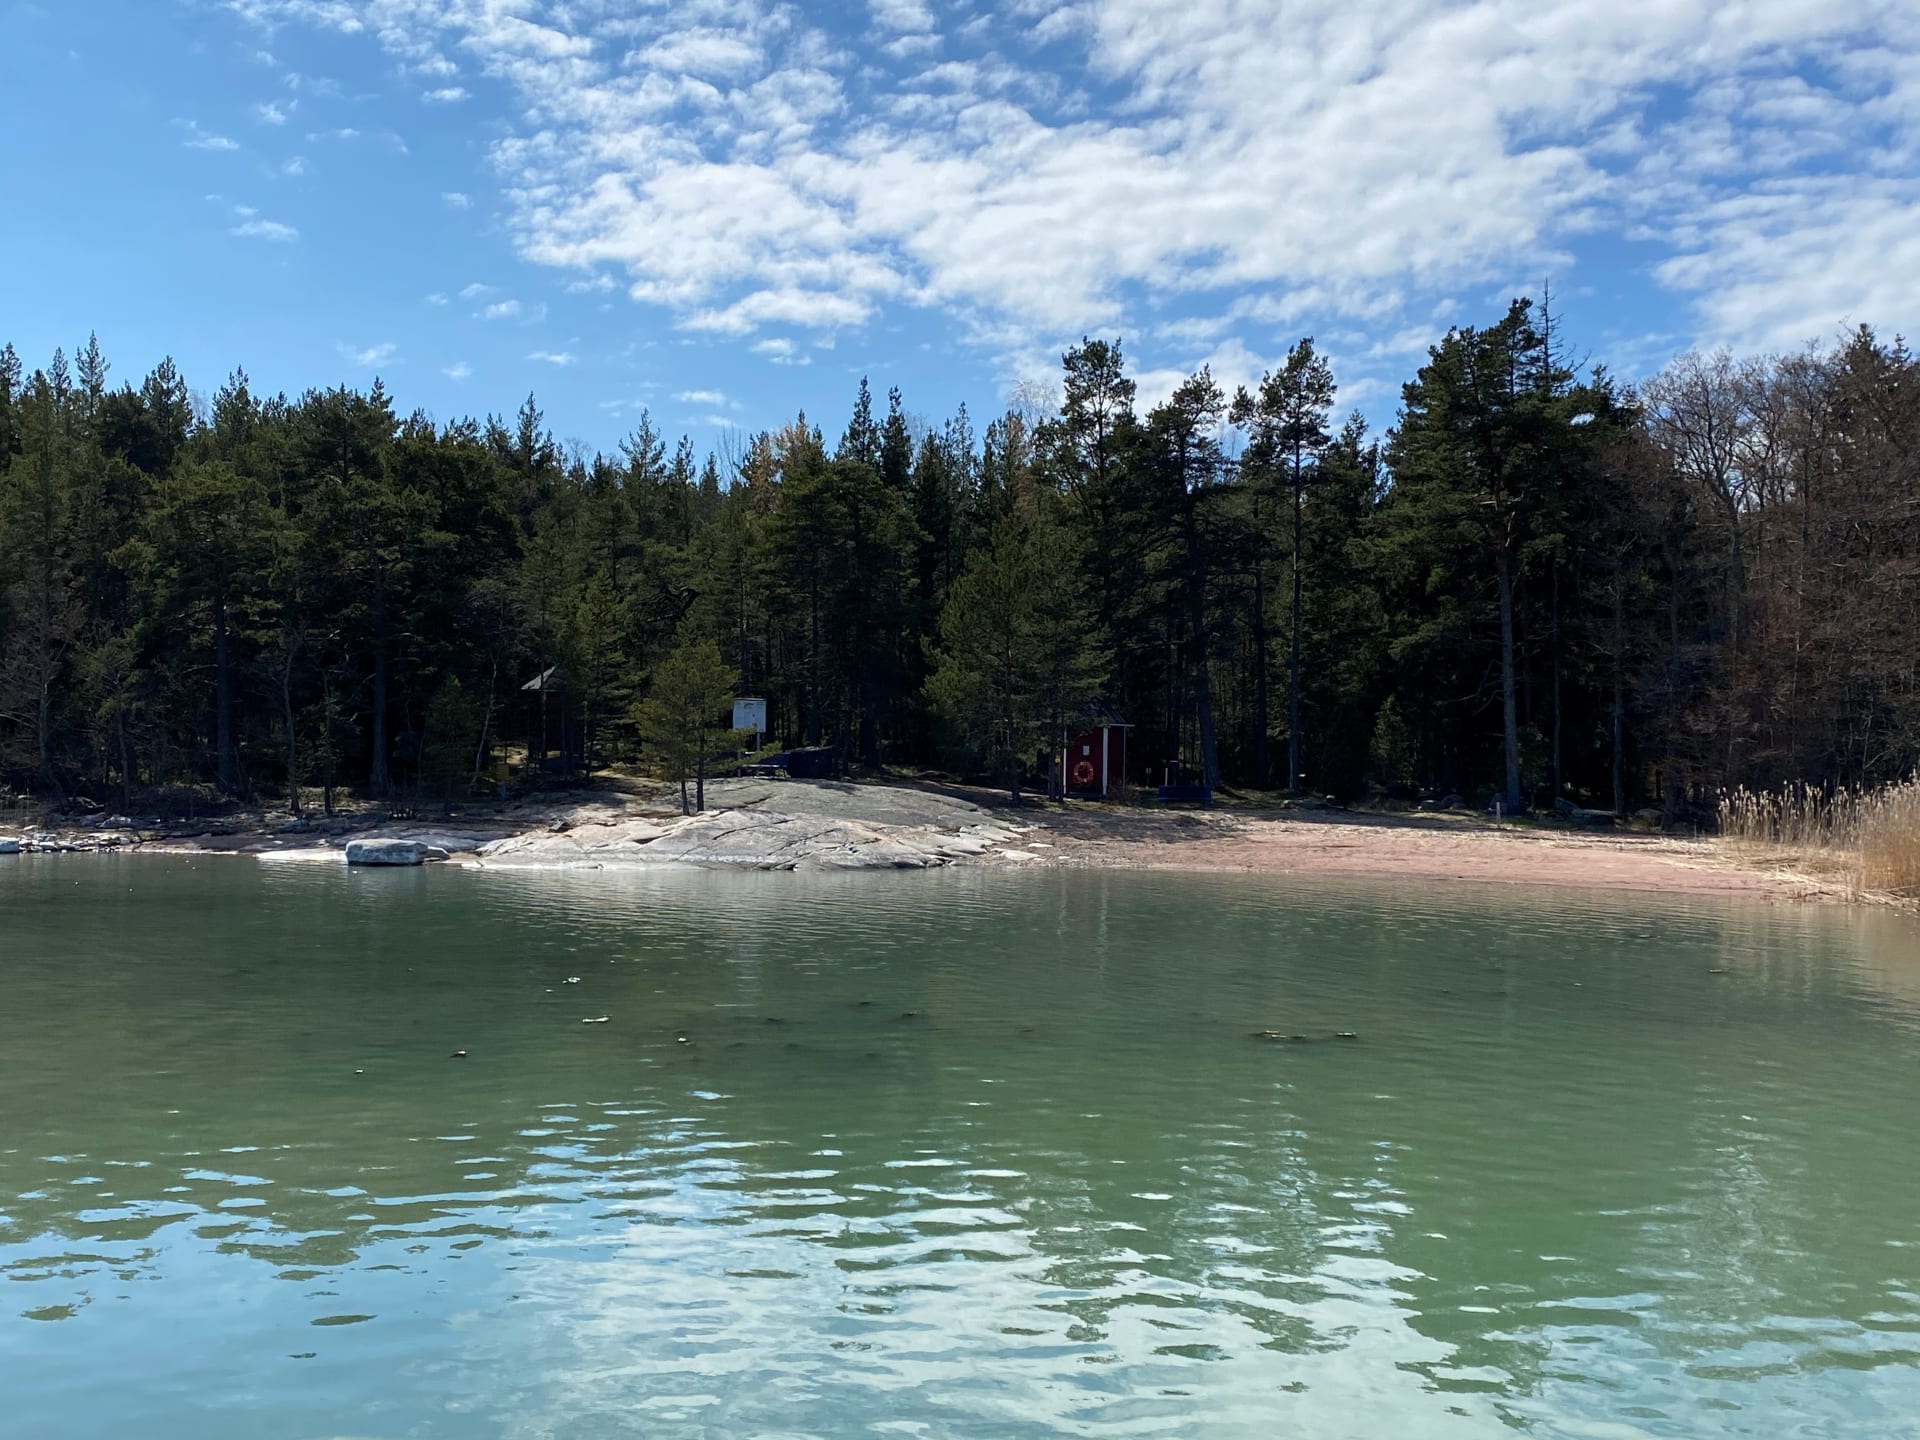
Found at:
(1870, 836)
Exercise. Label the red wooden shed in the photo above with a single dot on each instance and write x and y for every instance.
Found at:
(1094, 752)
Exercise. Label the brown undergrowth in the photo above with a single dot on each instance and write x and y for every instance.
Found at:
(1869, 838)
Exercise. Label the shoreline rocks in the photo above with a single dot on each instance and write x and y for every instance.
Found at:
(387, 852)
(750, 840)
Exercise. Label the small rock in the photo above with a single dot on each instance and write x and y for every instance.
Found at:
(458, 1055)
(596, 1020)
(573, 979)
(1345, 1035)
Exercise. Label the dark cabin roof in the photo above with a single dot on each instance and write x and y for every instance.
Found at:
(1099, 713)
(548, 680)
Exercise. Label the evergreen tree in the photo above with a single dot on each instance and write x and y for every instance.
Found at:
(1287, 421)
(679, 719)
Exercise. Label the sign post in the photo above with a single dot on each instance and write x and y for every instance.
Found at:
(751, 714)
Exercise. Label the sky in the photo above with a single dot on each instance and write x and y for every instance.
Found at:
(726, 212)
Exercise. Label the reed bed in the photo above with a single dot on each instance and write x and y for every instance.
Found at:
(1871, 837)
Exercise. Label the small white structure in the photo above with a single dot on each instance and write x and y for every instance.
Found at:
(750, 713)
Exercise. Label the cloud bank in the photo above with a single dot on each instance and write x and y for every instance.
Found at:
(1044, 170)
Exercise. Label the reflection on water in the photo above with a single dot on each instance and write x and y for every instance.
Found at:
(966, 1154)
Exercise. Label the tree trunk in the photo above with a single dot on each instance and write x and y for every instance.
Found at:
(1509, 716)
(377, 779)
(1556, 680)
(700, 778)
(1260, 704)
(1293, 655)
(1203, 680)
(813, 661)
(291, 649)
(223, 700)
(486, 727)
(1619, 694)
(126, 764)
(869, 729)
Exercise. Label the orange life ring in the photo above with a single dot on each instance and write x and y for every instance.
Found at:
(1083, 773)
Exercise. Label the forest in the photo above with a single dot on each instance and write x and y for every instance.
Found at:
(1540, 584)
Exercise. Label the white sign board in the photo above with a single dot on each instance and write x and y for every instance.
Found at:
(750, 715)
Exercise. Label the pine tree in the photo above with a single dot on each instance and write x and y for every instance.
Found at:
(679, 719)
(1288, 424)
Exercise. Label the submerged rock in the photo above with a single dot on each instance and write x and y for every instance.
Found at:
(386, 852)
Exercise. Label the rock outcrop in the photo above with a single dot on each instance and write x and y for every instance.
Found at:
(752, 840)
(386, 852)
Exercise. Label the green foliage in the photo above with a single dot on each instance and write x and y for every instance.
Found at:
(1537, 583)
(451, 742)
(1019, 649)
(679, 719)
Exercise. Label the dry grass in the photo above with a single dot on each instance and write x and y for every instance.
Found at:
(1871, 837)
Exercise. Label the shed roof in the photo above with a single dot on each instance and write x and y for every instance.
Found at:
(1098, 713)
(547, 679)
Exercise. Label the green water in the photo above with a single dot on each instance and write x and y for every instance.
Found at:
(1589, 1169)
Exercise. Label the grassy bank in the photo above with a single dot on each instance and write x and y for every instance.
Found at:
(1871, 838)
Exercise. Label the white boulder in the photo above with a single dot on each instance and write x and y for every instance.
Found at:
(386, 852)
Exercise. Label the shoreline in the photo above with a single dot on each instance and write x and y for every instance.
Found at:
(801, 825)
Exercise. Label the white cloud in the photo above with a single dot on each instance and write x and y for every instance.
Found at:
(456, 200)
(708, 53)
(438, 297)
(501, 310)
(702, 397)
(264, 230)
(550, 357)
(459, 370)
(476, 290)
(1784, 264)
(372, 356)
(295, 165)
(270, 114)
(901, 14)
(447, 95)
(780, 350)
(1348, 161)
(201, 139)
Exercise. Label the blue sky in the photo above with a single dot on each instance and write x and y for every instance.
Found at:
(729, 211)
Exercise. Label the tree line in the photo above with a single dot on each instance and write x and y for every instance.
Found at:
(1539, 584)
